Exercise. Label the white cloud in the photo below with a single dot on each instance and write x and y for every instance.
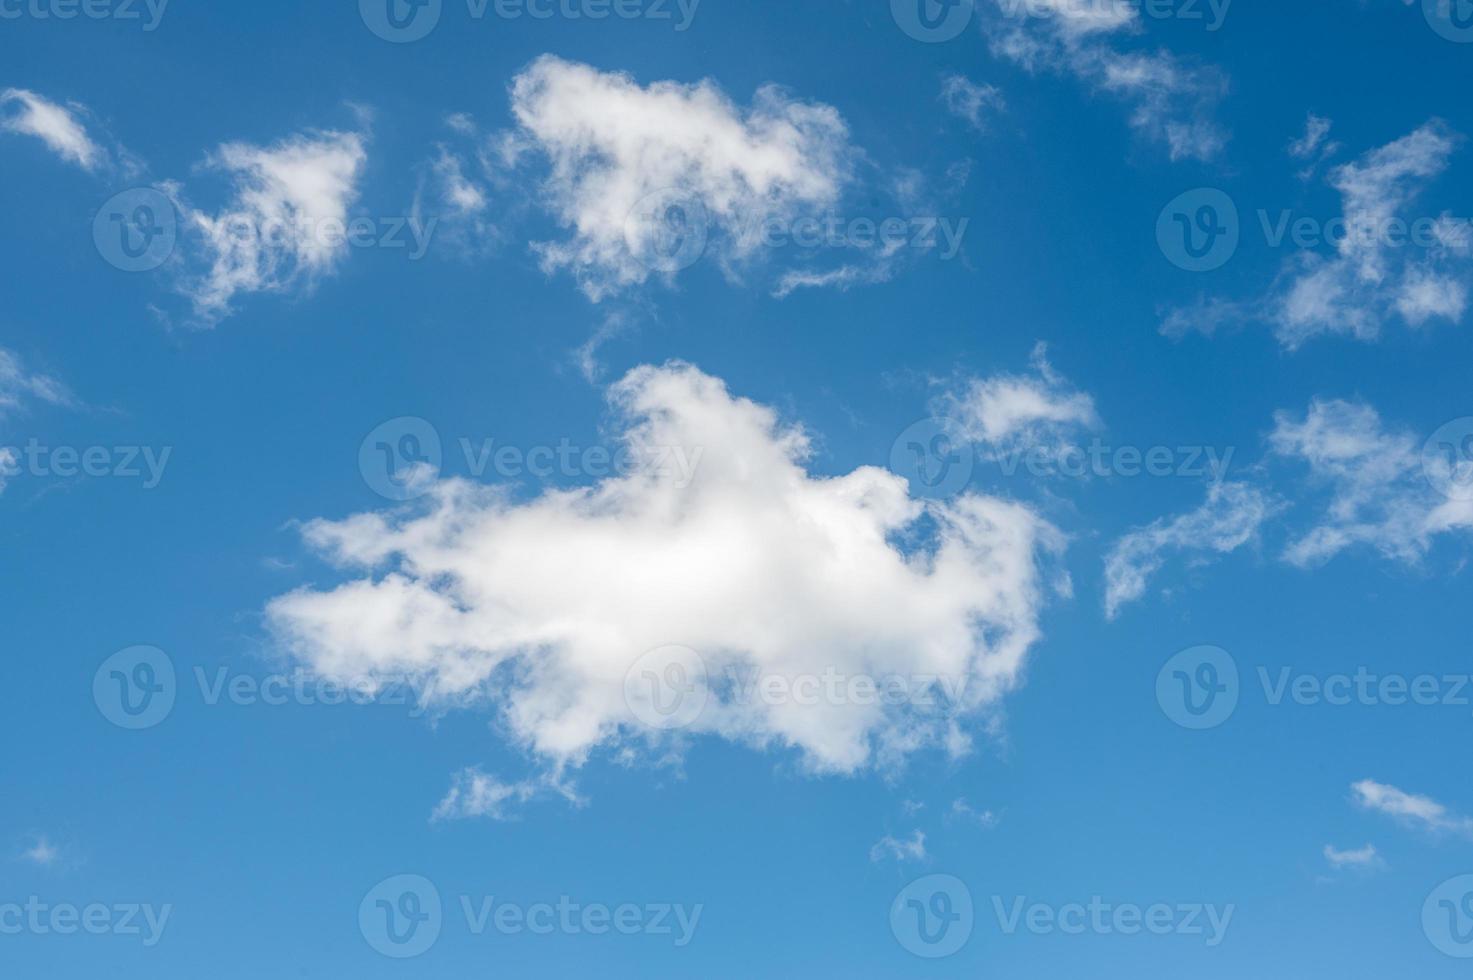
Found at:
(1389, 262)
(1314, 147)
(970, 100)
(1316, 128)
(899, 850)
(42, 852)
(541, 608)
(18, 386)
(1354, 291)
(286, 224)
(843, 278)
(1229, 519)
(1170, 101)
(25, 112)
(1417, 811)
(617, 149)
(475, 795)
(1380, 494)
(961, 810)
(1010, 412)
(458, 186)
(1362, 859)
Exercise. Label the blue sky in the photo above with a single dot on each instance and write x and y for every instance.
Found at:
(614, 404)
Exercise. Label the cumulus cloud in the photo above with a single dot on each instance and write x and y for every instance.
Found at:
(757, 568)
(1170, 101)
(628, 162)
(1230, 518)
(1362, 859)
(1008, 413)
(58, 126)
(970, 100)
(285, 226)
(1380, 494)
(1421, 812)
(898, 849)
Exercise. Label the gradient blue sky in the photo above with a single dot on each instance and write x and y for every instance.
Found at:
(264, 827)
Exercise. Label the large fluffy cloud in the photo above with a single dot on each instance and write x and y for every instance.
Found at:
(623, 157)
(795, 592)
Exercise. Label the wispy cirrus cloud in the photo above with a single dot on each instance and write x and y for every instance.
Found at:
(1387, 266)
(1171, 101)
(1380, 495)
(969, 100)
(59, 126)
(1421, 812)
(18, 386)
(1360, 859)
(1230, 518)
(899, 849)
